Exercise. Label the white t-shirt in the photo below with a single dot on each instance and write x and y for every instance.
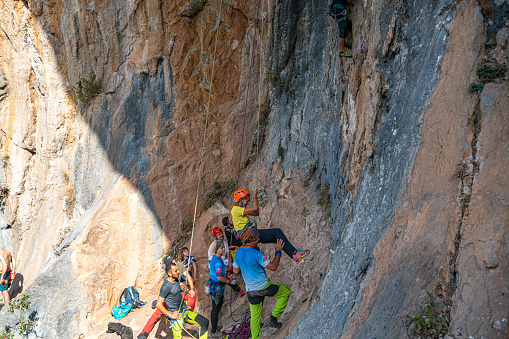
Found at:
(224, 257)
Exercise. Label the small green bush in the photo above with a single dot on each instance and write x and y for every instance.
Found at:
(220, 190)
(26, 326)
(86, 89)
(22, 303)
(274, 79)
(324, 196)
(430, 322)
(281, 152)
(475, 88)
(7, 333)
(488, 74)
(305, 212)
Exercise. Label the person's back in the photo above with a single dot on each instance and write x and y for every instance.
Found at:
(252, 263)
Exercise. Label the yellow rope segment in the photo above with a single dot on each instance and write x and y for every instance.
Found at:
(205, 131)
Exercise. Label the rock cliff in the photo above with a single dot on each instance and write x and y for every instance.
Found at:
(116, 116)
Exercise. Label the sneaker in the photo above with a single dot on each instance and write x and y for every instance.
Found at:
(216, 334)
(300, 254)
(345, 54)
(154, 303)
(142, 335)
(274, 323)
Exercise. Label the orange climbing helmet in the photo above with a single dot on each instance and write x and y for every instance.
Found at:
(216, 230)
(239, 194)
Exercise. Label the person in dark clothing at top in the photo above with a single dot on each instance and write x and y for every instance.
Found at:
(338, 10)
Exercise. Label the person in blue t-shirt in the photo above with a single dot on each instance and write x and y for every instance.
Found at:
(218, 276)
(253, 263)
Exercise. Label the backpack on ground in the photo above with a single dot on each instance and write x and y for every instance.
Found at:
(131, 297)
(338, 12)
(121, 311)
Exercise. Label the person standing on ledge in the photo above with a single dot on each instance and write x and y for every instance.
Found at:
(252, 264)
(240, 217)
(338, 10)
(7, 273)
(170, 304)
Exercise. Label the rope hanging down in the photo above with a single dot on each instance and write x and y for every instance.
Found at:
(247, 93)
(203, 142)
(205, 131)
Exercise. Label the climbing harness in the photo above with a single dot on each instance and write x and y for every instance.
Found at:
(338, 12)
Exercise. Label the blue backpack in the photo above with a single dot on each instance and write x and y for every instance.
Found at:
(131, 300)
(338, 12)
(131, 297)
(121, 311)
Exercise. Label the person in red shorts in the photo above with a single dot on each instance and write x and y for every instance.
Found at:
(189, 298)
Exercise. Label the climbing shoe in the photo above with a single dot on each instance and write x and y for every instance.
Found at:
(216, 334)
(142, 335)
(274, 323)
(345, 54)
(300, 254)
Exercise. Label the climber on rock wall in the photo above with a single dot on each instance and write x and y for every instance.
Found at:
(240, 217)
(190, 298)
(338, 10)
(252, 263)
(7, 273)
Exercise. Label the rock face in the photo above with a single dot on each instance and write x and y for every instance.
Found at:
(115, 116)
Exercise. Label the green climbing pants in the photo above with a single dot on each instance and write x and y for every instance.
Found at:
(191, 318)
(279, 291)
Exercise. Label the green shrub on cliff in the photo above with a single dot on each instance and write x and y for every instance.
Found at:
(86, 89)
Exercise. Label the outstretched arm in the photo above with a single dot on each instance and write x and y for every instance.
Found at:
(278, 246)
(254, 209)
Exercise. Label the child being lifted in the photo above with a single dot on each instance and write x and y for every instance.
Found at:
(240, 216)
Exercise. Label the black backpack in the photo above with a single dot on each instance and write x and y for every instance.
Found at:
(131, 297)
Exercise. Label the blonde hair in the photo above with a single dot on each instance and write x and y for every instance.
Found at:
(181, 253)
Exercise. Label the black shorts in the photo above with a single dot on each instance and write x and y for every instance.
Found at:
(345, 26)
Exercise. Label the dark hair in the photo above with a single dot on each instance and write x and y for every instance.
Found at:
(226, 221)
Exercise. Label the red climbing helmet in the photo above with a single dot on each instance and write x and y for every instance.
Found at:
(239, 194)
(216, 230)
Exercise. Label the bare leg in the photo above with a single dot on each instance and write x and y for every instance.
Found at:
(341, 44)
(6, 296)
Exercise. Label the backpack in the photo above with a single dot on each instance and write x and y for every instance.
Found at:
(121, 311)
(338, 12)
(131, 297)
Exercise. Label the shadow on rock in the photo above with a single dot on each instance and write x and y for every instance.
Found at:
(17, 285)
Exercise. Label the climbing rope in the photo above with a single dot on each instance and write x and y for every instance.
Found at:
(205, 131)
(241, 330)
(247, 93)
(203, 144)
